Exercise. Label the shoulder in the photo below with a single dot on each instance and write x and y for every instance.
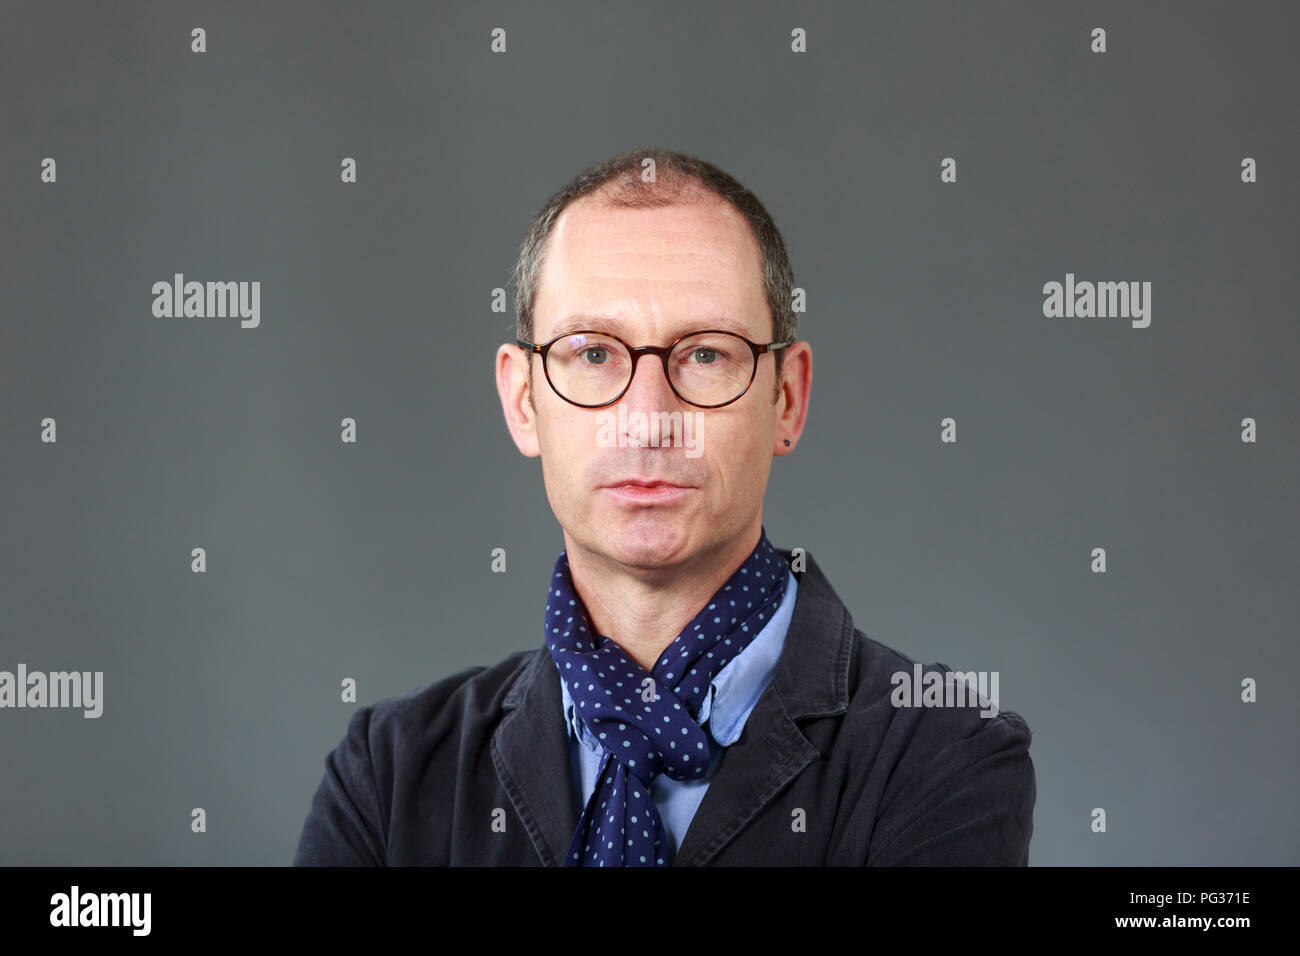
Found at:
(883, 675)
(453, 708)
(933, 709)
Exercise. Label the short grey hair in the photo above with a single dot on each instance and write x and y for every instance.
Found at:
(679, 178)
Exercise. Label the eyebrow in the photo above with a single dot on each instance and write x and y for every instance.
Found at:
(602, 323)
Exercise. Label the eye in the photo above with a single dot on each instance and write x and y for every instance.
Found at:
(598, 350)
(710, 355)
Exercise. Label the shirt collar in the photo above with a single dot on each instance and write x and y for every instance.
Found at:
(734, 690)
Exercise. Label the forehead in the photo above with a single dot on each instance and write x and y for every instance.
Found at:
(651, 274)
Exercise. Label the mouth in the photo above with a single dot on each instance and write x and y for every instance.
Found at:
(646, 491)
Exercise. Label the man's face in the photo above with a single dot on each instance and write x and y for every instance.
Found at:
(649, 276)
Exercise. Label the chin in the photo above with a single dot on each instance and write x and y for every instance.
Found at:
(647, 538)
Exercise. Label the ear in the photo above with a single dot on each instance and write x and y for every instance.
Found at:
(796, 386)
(512, 385)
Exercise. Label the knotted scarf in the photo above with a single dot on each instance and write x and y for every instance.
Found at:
(647, 721)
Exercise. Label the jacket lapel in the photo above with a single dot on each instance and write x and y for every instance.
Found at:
(530, 751)
(811, 679)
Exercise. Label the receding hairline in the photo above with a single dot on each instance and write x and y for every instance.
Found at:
(672, 186)
(686, 190)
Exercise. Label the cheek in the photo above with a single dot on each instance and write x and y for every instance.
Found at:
(565, 450)
(737, 459)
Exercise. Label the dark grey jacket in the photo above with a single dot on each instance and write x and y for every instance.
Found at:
(473, 769)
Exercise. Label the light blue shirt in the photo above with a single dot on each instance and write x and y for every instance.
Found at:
(732, 695)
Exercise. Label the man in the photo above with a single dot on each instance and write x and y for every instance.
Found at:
(700, 697)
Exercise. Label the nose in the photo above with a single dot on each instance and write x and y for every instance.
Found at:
(650, 394)
(649, 390)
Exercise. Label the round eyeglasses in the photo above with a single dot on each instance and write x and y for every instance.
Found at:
(707, 369)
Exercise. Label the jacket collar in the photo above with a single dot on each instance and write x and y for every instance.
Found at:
(530, 748)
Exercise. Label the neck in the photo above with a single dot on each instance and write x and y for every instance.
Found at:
(644, 611)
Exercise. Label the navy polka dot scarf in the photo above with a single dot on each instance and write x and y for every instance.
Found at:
(645, 721)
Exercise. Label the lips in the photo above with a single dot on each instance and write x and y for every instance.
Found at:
(641, 492)
(644, 483)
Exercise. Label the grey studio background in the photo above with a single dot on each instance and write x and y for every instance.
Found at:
(371, 560)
